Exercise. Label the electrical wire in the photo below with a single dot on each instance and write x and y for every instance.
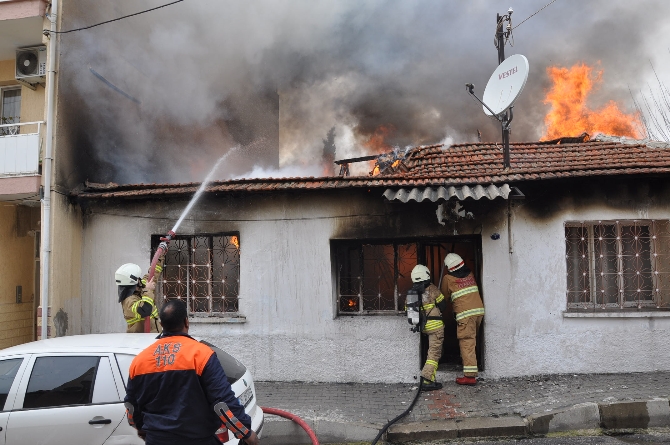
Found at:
(113, 20)
(535, 13)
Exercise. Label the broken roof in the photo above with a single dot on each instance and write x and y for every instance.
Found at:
(440, 165)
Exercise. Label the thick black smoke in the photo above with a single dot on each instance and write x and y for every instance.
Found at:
(159, 97)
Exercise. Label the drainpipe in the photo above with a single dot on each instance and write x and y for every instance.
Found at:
(46, 171)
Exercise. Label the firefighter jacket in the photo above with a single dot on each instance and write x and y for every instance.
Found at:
(178, 393)
(430, 300)
(141, 304)
(464, 295)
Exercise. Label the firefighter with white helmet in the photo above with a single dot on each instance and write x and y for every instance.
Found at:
(460, 285)
(136, 296)
(433, 305)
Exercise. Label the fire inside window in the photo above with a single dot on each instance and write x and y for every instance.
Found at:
(204, 271)
(374, 277)
(618, 264)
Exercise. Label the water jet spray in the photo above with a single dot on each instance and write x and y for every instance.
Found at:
(163, 246)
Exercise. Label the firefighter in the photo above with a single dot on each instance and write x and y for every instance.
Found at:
(460, 285)
(137, 295)
(432, 306)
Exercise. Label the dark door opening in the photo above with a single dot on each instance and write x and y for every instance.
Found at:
(432, 255)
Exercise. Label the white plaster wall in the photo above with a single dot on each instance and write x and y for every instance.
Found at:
(292, 332)
(525, 297)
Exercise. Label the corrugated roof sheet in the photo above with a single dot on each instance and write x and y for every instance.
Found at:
(436, 166)
(435, 193)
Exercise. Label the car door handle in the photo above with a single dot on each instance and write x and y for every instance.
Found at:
(100, 422)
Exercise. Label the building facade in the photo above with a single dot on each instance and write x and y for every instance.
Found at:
(22, 104)
(305, 279)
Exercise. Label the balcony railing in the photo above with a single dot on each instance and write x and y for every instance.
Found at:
(20, 153)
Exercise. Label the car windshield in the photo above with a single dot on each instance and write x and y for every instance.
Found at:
(231, 366)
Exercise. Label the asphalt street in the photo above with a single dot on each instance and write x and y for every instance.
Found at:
(648, 438)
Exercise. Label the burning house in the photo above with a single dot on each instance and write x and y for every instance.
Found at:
(570, 247)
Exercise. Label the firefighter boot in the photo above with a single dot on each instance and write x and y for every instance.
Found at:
(427, 385)
(465, 380)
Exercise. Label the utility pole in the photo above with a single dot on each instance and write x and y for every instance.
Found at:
(502, 34)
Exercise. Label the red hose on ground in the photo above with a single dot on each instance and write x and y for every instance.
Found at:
(296, 419)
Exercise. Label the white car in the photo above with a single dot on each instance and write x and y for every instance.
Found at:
(70, 390)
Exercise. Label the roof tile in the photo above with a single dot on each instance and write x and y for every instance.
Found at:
(470, 164)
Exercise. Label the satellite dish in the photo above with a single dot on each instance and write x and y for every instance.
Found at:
(505, 84)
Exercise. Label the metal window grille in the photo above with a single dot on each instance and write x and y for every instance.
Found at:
(204, 271)
(618, 264)
(374, 277)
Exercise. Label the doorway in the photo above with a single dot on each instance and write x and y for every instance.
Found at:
(432, 255)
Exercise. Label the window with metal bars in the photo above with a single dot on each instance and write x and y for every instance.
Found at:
(204, 271)
(374, 277)
(618, 264)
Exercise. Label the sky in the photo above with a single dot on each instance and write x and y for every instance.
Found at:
(161, 96)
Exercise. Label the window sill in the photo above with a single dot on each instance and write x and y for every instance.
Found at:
(218, 319)
(618, 314)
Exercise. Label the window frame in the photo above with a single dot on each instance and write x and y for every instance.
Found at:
(360, 244)
(16, 382)
(29, 375)
(422, 246)
(10, 131)
(155, 240)
(622, 303)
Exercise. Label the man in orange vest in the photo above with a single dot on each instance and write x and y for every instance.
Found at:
(460, 285)
(178, 393)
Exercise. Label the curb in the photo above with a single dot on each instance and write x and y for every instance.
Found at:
(457, 428)
(584, 416)
(278, 431)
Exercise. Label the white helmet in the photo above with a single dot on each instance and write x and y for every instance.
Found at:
(453, 262)
(128, 275)
(420, 273)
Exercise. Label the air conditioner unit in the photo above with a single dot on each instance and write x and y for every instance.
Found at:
(31, 64)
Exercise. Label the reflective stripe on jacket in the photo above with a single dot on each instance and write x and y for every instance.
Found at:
(178, 393)
(131, 304)
(431, 296)
(134, 320)
(464, 294)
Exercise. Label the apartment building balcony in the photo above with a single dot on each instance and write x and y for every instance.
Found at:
(21, 24)
(20, 147)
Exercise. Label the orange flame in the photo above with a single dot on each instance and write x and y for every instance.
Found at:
(375, 171)
(235, 241)
(569, 114)
(376, 144)
(352, 302)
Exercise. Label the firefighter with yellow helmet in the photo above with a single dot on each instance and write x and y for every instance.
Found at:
(460, 285)
(136, 295)
(433, 305)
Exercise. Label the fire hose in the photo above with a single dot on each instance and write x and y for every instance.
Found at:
(399, 416)
(294, 418)
(160, 251)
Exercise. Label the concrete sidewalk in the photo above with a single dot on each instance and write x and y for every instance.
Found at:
(507, 407)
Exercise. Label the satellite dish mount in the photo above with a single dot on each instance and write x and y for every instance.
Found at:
(505, 84)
